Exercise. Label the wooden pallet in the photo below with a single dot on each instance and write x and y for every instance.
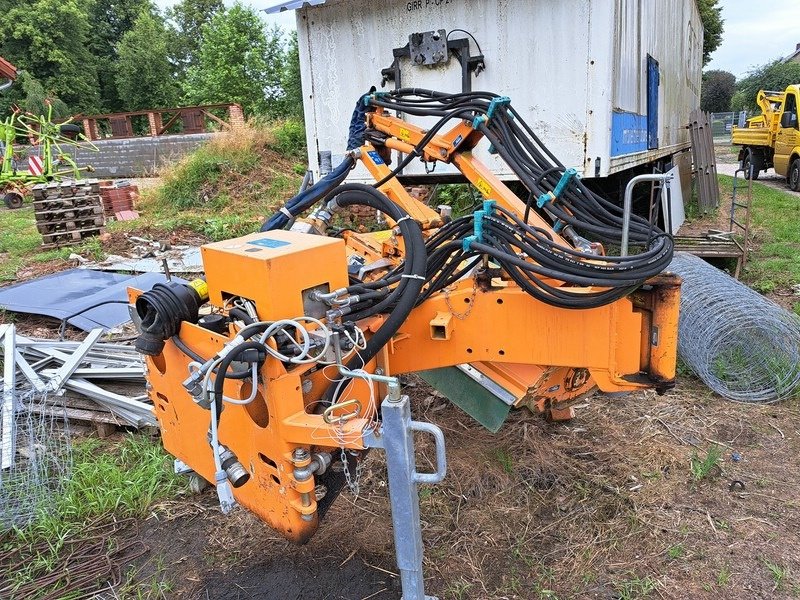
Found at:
(65, 225)
(68, 238)
(66, 203)
(66, 189)
(81, 212)
(712, 247)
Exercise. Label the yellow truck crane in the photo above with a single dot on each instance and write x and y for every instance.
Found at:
(772, 139)
(272, 377)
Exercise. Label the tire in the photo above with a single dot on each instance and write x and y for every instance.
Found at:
(749, 160)
(13, 200)
(793, 179)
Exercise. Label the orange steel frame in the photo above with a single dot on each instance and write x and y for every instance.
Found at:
(547, 356)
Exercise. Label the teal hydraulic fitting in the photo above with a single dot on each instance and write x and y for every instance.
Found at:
(566, 177)
(477, 224)
(497, 102)
(476, 122)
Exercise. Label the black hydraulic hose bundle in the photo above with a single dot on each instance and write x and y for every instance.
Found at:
(530, 255)
(506, 239)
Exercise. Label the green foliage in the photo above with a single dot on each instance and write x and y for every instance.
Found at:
(110, 20)
(775, 76)
(290, 81)
(203, 168)
(713, 26)
(290, 139)
(36, 99)
(144, 74)
(50, 39)
(677, 551)
(187, 18)
(462, 197)
(718, 89)
(238, 61)
(776, 263)
(702, 467)
(124, 480)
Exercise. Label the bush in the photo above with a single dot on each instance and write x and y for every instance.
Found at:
(290, 139)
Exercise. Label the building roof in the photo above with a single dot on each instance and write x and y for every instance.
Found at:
(292, 5)
(794, 56)
(7, 70)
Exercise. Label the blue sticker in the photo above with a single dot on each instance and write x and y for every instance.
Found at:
(457, 141)
(269, 243)
(376, 158)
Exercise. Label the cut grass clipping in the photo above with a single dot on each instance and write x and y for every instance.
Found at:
(106, 482)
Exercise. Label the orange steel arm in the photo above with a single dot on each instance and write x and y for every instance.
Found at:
(547, 357)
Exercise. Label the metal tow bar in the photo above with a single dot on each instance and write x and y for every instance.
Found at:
(396, 437)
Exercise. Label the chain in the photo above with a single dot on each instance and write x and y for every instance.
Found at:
(465, 314)
(352, 484)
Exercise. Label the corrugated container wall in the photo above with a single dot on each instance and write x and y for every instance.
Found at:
(606, 84)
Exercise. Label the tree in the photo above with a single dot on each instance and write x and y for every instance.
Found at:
(49, 39)
(713, 25)
(187, 19)
(718, 89)
(111, 19)
(775, 76)
(290, 80)
(144, 75)
(238, 61)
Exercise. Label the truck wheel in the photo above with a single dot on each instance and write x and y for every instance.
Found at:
(13, 200)
(794, 175)
(749, 161)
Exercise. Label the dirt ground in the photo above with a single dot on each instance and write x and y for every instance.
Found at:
(623, 502)
(605, 506)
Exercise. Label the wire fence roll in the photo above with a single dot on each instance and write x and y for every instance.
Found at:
(743, 346)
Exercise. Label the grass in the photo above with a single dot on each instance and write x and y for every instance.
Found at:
(702, 468)
(778, 573)
(223, 190)
(228, 187)
(124, 481)
(776, 263)
(636, 587)
(20, 244)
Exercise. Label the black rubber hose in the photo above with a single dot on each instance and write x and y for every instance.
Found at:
(219, 380)
(414, 273)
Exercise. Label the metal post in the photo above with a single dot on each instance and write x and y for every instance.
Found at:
(397, 439)
(8, 433)
(628, 205)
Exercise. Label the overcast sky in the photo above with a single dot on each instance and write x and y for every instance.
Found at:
(755, 33)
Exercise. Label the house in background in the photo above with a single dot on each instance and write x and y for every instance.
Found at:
(794, 57)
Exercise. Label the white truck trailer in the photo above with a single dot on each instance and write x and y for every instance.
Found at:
(608, 85)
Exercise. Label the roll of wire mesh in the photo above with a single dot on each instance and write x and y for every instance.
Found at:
(743, 346)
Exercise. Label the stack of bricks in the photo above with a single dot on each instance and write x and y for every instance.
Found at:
(67, 212)
(118, 201)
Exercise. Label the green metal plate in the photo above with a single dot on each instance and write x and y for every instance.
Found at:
(478, 402)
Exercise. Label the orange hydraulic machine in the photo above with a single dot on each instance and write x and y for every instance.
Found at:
(273, 375)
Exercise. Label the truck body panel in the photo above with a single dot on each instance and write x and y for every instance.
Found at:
(585, 94)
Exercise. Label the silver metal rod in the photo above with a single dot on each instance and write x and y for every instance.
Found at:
(628, 205)
(7, 433)
(68, 368)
